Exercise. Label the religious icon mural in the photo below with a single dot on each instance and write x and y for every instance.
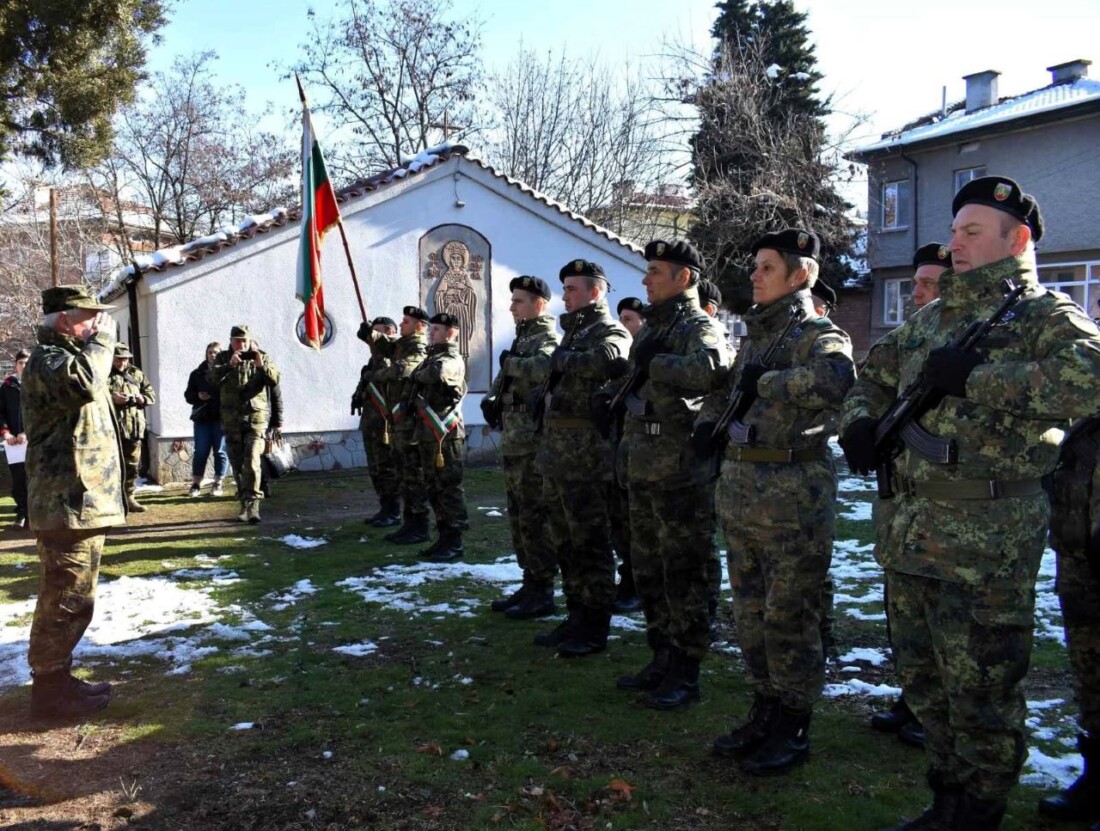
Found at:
(454, 267)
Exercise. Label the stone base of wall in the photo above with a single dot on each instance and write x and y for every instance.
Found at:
(339, 450)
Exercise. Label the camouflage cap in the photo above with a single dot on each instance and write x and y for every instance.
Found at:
(241, 330)
(63, 298)
(123, 351)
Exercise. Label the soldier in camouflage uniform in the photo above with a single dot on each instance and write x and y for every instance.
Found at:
(75, 475)
(676, 360)
(375, 423)
(523, 367)
(1075, 537)
(131, 393)
(243, 375)
(577, 463)
(776, 497)
(964, 544)
(435, 406)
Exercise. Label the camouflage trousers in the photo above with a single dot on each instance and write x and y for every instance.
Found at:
(577, 513)
(1078, 592)
(444, 484)
(672, 547)
(381, 460)
(414, 490)
(527, 515)
(779, 521)
(962, 651)
(619, 515)
(714, 559)
(131, 458)
(68, 569)
(244, 447)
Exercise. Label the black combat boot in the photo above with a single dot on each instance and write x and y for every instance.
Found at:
(945, 803)
(437, 546)
(57, 695)
(679, 687)
(450, 546)
(743, 740)
(388, 515)
(536, 602)
(975, 814)
(413, 531)
(1081, 800)
(502, 603)
(102, 688)
(626, 596)
(787, 746)
(564, 630)
(912, 734)
(892, 720)
(589, 637)
(406, 524)
(650, 676)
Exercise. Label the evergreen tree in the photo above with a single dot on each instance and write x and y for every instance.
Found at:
(760, 156)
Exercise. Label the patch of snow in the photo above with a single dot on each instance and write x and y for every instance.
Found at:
(294, 541)
(357, 650)
(857, 687)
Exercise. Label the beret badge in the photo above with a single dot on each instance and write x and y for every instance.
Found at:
(578, 266)
(942, 252)
(803, 239)
(1002, 192)
(660, 249)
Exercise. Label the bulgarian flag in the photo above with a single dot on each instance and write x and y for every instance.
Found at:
(319, 214)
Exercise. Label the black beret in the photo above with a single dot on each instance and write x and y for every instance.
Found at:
(935, 253)
(1004, 194)
(581, 268)
(679, 252)
(415, 311)
(709, 293)
(531, 285)
(825, 292)
(383, 321)
(632, 304)
(445, 319)
(795, 241)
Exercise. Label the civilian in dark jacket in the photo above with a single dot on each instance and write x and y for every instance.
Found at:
(203, 396)
(13, 433)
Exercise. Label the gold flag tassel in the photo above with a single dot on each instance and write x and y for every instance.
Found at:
(385, 431)
(439, 463)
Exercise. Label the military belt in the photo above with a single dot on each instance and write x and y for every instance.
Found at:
(775, 454)
(968, 488)
(566, 423)
(513, 408)
(656, 428)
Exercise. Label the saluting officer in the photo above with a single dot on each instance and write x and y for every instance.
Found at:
(523, 367)
(577, 462)
(371, 400)
(964, 543)
(677, 359)
(776, 496)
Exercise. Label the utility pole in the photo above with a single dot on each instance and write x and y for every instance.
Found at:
(53, 236)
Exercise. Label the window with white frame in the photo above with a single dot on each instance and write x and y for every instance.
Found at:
(895, 295)
(895, 204)
(967, 174)
(1080, 280)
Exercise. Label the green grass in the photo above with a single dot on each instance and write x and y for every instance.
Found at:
(551, 743)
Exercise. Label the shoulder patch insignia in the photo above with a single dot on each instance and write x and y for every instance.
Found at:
(710, 339)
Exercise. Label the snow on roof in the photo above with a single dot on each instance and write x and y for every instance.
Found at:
(180, 255)
(932, 126)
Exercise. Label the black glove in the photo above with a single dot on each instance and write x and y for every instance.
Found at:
(702, 443)
(646, 351)
(356, 406)
(490, 408)
(364, 331)
(948, 368)
(504, 356)
(858, 444)
(559, 360)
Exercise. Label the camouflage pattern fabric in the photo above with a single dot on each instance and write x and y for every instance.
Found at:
(74, 468)
(243, 391)
(68, 569)
(779, 518)
(525, 369)
(672, 535)
(619, 517)
(527, 515)
(245, 445)
(961, 573)
(404, 354)
(1078, 589)
(131, 417)
(381, 454)
(439, 382)
(131, 461)
(577, 515)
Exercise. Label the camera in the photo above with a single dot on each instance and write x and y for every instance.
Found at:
(247, 355)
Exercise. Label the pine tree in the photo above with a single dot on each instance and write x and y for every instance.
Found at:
(760, 155)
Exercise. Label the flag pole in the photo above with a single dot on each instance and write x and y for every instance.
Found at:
(340, 223)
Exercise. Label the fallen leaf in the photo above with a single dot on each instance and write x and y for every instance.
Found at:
(623, 789)
(433, 810)
(430, 747)
(552, 746)
(564, 771)
(531, 790)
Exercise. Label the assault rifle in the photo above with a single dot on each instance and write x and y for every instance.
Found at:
(898, 426)
(739, 401)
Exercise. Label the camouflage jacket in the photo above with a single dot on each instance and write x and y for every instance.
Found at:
(692, 362)
(525, 369)
(1041, 368)
(404, 354)
(596, 348)
(131, 416)
(244, 391)
(74, 470)
(439, 383)
(363, 397)
(812, 371)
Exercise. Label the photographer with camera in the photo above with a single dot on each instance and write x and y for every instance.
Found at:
(131, 393)
(244, 375)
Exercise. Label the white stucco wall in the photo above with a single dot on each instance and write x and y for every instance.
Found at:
(253, 282)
